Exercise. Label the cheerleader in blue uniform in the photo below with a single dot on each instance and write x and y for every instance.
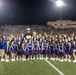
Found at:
(51, 48)
(67, 49)
(26, 52)
(61, 50)
(71, 41)
(30, 48)
(13, 49)
(35, 48)
(22, 49)
(74, 52)
(40, 49)
(8, 50)
(56, 49)
(45, 48)
(4, 48)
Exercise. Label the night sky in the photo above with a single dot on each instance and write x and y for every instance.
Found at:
(30, 12)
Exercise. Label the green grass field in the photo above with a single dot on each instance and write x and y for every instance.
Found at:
(36, 67)
(68, 68)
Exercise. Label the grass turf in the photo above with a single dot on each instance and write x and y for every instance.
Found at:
(68, 68)
(29, 67)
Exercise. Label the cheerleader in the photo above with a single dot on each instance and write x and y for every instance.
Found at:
(26, 52)
(74, 52)
(67, 49)
(61, 50)
(22, 49)
(30, 48)
(71, 41)
(14, 48)
(56, 49)
(7, 57)
(35, 49)
(45, 48)
(51, 48)
(40, 47)
(4, 48)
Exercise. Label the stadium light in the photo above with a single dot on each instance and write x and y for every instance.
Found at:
(60, 3)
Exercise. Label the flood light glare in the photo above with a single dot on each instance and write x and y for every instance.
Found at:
(59, 3)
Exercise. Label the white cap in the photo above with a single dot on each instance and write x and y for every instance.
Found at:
(28, 29)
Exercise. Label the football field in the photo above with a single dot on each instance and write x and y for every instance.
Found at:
(37, 67)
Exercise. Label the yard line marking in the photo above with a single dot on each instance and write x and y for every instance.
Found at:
(54, 67)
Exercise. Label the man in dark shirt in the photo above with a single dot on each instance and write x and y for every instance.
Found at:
(28, 34)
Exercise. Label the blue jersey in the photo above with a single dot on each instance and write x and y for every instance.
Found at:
(35, 44)
(40, 45)
(61, 46)
(4, 47)
(57, 44)
(4, 41)
(15, 43)
(66, 44)
(21, 39)
(51, 45)
(72, 44)
(45, 45)
(74, 47)
(19, 47)
(30, 46)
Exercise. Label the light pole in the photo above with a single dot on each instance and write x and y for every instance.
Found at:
(60, 4)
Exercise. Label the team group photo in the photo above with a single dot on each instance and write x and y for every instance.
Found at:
(37, 37)
(38, 46)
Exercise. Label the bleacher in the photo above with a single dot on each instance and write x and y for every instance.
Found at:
(19, 29)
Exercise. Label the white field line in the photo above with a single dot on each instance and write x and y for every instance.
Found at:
(54, 67)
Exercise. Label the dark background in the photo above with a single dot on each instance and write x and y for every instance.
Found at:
(35, 11)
